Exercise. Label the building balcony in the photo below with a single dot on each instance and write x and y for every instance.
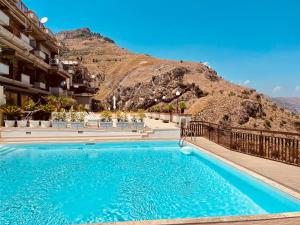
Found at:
(57, 91)
(22, 6)
(31, 15)
(40, 54)
(15, 40)
(4, 19)
(24, 38)
(4, 69)
(40, 85)
(56, 63)
(49, 32)
(25, 78)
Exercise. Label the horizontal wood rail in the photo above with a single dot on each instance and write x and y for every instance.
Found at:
(274, 145)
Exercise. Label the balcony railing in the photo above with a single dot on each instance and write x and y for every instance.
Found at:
(56, 90)
(25, 78)
(40, 85)
(49, 32)
(4, 19)
(40, 54)
(56, 63)
(22, 6)
(25, 38)
(4, 69)
(279, 146)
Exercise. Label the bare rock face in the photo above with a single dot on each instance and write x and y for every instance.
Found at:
(83, 33)
(143, 95)
(250, 109)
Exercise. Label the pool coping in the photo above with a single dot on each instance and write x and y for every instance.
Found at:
(207, 220)
(223, 219)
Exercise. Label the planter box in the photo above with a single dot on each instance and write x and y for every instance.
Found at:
(181, 118)
(93, 123)
(138, 125)
(106, 124)
(149, 115)
(156, 116)
(22, 123)
(123, 125)
(4, 69)
(77, 125)
(34, 123)
(45, 124)
(165, 117)
(9, 123)
(59, 124)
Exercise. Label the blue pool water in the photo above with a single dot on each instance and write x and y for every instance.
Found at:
(78, 183)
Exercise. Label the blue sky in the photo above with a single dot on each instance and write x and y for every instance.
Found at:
(254, 43)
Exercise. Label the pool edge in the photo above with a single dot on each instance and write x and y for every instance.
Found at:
(252, 173)
(211, 220)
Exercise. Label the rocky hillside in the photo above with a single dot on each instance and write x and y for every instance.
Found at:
(137, 80)
(293, 104)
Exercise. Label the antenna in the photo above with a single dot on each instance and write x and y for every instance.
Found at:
(44, 20)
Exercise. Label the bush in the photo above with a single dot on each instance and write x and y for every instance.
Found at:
(141, 115)
(297, 125)
(107, 115)
(168, 108)
(182, 106)
(267, 124)
(121, 116)
(156, 108)
(29, 105)
(11, 111)
(60, 102)
(231, 94)
(44, 111)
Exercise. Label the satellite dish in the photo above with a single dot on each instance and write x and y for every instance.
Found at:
(44, 20)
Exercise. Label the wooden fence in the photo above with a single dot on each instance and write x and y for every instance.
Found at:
(278, 146)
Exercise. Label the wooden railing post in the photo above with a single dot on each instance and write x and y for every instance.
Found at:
(261, 146)
(218, 134)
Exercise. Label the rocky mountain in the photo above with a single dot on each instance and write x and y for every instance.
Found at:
(293, 103)
(141, 81)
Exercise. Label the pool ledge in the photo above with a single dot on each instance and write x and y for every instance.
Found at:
(269, 219)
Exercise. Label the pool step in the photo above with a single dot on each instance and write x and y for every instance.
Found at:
(4, 150)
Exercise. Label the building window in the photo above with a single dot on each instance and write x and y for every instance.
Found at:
(24, 99)
(11, 98)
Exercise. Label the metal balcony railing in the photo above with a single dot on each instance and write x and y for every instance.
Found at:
(22, 7)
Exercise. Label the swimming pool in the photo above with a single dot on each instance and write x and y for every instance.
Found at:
(77, 183)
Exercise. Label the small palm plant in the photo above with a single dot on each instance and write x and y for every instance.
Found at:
(11, 112)
(106, 115)
(141, 115)
(168, 108)
(182, 106)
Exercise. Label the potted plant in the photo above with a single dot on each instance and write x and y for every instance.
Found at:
(138, 120)
(44, 114)
(182, 106)
(59, 119)
(156, 114)
(77, 120)
(166, 116)
(122, 120)
(106, 121)
(11, 114)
